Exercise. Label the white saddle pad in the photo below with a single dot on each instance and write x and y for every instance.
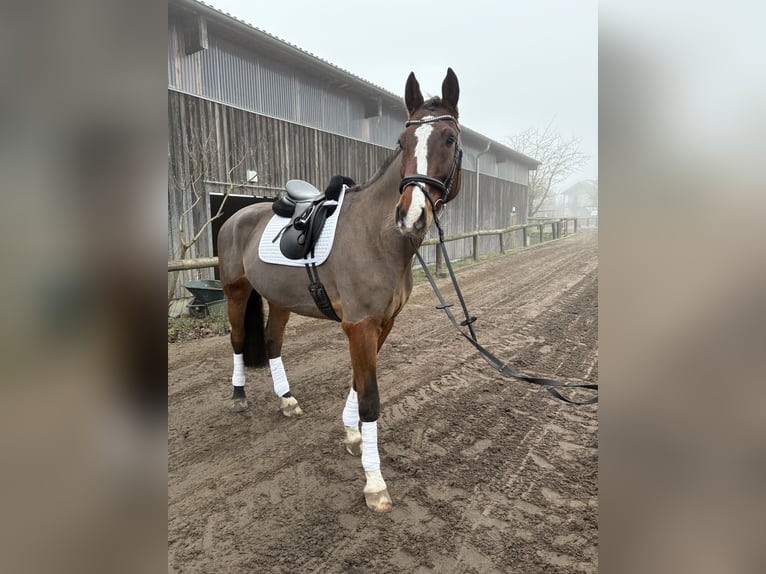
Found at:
(268, 249)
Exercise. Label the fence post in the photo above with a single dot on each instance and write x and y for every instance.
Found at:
(525, 237)
(439, 262)
(475, 247)
(502, 243)
(514, 219)
(541, 232)
(575, 225)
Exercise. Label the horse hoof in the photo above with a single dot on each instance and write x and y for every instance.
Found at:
(378, 501)
(353, 448)
(353, 441)
(292, 412)
(238, 405)
(290, 408)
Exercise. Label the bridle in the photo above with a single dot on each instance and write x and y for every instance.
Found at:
(420, 179)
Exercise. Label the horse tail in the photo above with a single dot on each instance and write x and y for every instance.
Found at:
(255, 334)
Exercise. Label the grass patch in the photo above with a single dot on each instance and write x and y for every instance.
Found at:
(419, 276)
(190, 328)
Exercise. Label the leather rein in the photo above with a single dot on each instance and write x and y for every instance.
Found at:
(419, 180)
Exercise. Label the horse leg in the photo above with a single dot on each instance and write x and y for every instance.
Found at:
(385, 330)
(353, 440)
(275, 331)
(237, 295)
(363, 339)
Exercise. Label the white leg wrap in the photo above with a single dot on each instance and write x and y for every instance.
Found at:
(370, 458)
(279, 376)
(238, 376)
(351, 410)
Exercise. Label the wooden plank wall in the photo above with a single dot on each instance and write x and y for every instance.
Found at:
(280, 151)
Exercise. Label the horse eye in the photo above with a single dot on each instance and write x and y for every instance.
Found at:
(451, 140)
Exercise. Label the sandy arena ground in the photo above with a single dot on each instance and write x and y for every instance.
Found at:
(487, 474)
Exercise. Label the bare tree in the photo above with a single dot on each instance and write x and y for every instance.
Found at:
(560, 158)
(190, 186)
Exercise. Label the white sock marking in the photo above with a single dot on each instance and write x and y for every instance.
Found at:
(351, 410)
(375, 482)
(353, 436)
(279, 376)
(238, 376)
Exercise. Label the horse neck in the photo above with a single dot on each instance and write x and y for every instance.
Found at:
(377, 202)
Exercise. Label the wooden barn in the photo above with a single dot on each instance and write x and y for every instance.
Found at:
(248, 111)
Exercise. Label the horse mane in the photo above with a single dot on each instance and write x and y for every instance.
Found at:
(383, 168)
(433, 104)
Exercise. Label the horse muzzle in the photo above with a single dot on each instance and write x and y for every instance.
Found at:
(411, 225)
(413, 221)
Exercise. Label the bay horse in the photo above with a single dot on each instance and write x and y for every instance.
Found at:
(368, 274)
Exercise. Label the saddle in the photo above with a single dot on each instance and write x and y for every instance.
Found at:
(308, 209)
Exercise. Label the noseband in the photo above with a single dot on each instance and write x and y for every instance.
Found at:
(420, 180)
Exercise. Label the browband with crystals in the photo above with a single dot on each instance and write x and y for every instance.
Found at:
(430, 119)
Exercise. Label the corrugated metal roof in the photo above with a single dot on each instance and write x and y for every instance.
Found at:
(392, 100)
(197, 5)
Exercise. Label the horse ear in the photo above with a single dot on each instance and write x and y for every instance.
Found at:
(413, 99)
(450, 90)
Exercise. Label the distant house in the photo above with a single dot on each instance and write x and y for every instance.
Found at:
(250, 111)
(581, 199)
(578, 200)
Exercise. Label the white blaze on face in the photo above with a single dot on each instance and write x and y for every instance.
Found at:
(418, 201)
(421, 147)
(417, 205)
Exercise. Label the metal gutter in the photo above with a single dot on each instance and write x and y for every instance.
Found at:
(478, 173)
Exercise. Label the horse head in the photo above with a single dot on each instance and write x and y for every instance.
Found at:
(431, 155)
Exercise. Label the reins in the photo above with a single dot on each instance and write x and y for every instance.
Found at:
(549, 384)
(444, 188)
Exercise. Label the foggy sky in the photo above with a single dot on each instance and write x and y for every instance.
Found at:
(520, 64)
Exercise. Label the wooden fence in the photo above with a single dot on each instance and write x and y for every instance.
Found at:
(209, 140)
(558, 229)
